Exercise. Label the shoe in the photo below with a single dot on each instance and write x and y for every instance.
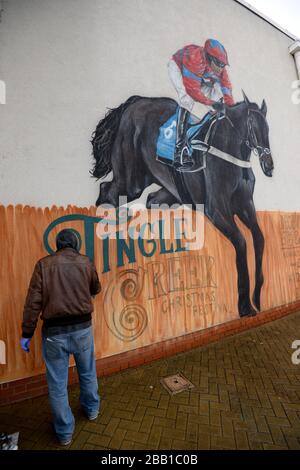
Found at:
(65, 443)
(184, 165)
(251, 313)
(182, 160)
(93, 417)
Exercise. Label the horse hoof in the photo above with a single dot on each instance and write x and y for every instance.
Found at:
(151, 203)
(256, 304)
(250, 313)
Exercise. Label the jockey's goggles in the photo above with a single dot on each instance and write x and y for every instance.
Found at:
(217, 62)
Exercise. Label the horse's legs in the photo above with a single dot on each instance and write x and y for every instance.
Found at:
(162, 196)
(109, 193)
(224, 222)
(128, 179)
(129, 172)
(248, 217)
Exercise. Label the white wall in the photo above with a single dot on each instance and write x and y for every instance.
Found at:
(65, 61)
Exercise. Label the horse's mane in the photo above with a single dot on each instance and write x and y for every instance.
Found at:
(236, 107)
(239, 105)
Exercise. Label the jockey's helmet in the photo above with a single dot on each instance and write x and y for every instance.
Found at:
(216, 52)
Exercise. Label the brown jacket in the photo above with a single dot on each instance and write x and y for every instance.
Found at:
(61, 287)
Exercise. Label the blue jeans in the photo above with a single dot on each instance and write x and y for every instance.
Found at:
(56, 351)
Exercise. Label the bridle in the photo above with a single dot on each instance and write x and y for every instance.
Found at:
(251, 139)
(250, 142)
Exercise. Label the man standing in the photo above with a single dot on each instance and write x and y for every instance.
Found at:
(200, 78)
(61, 288)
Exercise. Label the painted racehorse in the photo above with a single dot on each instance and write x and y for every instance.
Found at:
(125, 142)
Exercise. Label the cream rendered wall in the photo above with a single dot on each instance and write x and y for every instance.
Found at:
(65, 61)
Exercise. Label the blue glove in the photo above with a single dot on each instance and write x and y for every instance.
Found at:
(25, 344)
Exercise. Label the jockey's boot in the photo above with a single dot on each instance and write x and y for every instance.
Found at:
(181, 158)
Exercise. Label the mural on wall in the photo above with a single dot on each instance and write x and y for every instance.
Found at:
(195, 161)
(157, 289)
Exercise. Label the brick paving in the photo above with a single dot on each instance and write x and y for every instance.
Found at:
(246, 396)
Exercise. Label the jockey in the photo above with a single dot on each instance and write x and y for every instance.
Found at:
(200, 78)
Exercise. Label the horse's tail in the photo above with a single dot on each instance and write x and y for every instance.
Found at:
(103, 138)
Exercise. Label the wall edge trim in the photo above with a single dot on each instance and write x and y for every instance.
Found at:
(31, 387)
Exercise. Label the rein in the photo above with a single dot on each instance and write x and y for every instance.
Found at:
(253, 145)
(251, 135)
(215, 151)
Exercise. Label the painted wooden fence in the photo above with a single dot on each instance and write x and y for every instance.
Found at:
(159, 292)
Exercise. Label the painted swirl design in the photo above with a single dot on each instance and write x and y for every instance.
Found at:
(130, 322)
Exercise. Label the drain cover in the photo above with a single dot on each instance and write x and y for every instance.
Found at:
(176, 383)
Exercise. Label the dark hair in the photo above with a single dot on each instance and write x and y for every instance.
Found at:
(67, 238)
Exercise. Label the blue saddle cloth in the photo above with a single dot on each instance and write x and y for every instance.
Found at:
(166, 142)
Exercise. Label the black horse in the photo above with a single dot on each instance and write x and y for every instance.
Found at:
(125, 142)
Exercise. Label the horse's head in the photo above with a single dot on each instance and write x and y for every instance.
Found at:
(257, 137)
